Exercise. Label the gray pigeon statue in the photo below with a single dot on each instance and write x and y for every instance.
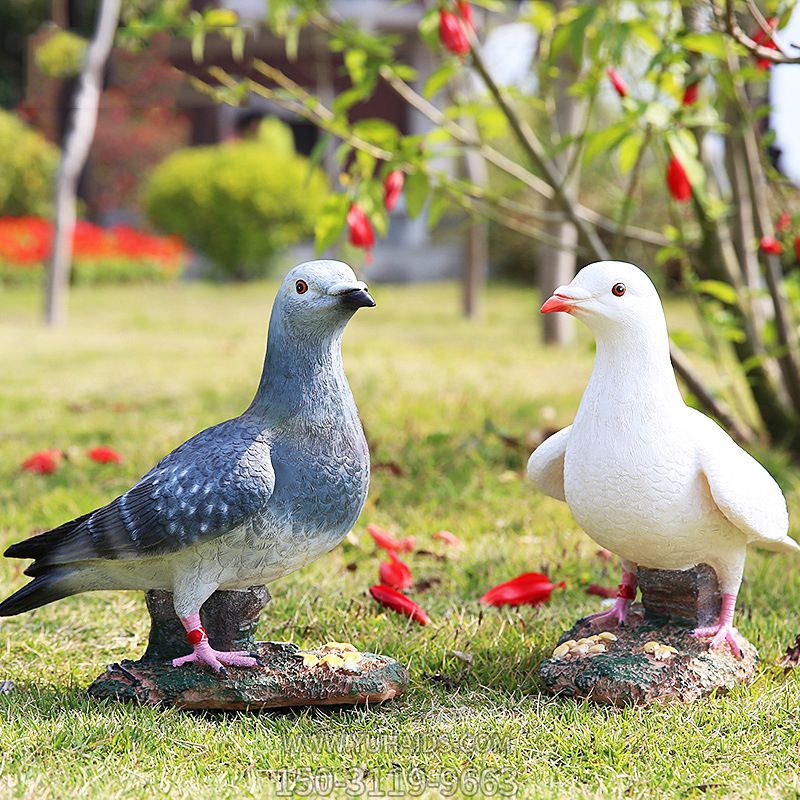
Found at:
(244, 502)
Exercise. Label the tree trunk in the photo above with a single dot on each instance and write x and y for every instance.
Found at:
(73, 159)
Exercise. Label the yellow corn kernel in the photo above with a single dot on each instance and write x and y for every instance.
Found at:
(310, 660)
(345, 646)
(561, 651)
(607, 635)
(651, 647)
(595, 649)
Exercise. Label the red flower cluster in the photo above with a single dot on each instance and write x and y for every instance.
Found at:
(26, 241)
(770, 245)
(454, 28)
(690, 94)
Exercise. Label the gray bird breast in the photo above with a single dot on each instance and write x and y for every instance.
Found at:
(321, 484)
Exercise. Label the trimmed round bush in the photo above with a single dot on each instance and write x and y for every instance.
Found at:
(28, 165)
(239, 203)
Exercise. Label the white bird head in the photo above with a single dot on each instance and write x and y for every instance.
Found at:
(611, 298)
(320, 296)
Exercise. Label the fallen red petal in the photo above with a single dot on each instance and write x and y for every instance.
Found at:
(43, 462)
(104, 455)
(398, 602)
(601, 591)
(395, 573)
(530, 588)
(388, 541)
(448, 538)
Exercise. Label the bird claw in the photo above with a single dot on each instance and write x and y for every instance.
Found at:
(217, 660)
(721, 634)
(617, 614)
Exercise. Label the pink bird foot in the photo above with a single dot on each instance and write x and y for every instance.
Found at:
(617, 614)
(204, 653)
(723, 631)
(216, 659)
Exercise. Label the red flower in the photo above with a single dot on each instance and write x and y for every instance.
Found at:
(393, 188)
(387, 541)
(797, 247)
(765, 40)
(448, 538)
(617, 82)
(769, 244)
(601, 591)
(784, 222)
(45, 462)
(397, 601)
(361, 233)
(104, 455)
(530, 588)
(452, 33)
(678, 181)
(690, 94)
(395, 573)
(465, 12)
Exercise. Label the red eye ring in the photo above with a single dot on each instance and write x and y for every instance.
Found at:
(301, 287)
(618, 289)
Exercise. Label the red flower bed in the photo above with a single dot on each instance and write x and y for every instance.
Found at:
(101, 255)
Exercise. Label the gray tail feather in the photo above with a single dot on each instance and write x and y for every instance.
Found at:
(45, 588)
(46, 547)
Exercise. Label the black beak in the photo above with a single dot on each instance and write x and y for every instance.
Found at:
(357, 298)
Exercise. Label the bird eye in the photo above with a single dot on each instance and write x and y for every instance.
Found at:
(301, 286)
(618, 289)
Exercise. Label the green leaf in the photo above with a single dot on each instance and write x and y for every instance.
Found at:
(331, 221)
(356, 62)
(198, 45)
(605, 140)
(629, 150)
(719, 290)
(710, 44)
(377, 131)
(440, 77)
(417, 190)
(541, 15)
(439, 204)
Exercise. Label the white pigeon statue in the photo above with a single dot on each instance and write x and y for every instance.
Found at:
(647, 477)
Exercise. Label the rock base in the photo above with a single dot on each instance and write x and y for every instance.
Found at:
(630, 669)
(333, 675)
(336, 674)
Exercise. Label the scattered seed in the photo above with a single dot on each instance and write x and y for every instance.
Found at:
(561, 650)
(607, 635)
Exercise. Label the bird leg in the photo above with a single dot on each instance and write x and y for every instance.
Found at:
(626, 592)
(203, 653)
(723, 631)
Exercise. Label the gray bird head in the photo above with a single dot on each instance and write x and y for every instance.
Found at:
(319, 297)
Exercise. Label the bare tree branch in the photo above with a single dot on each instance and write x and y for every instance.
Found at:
(732, 27)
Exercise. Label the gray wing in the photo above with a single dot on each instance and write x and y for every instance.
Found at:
(210, 485)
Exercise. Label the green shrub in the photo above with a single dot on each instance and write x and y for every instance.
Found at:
(61, 54)
(239, 203)
(27, 168)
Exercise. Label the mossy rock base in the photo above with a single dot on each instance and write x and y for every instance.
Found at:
(627, 675)
(285, 680)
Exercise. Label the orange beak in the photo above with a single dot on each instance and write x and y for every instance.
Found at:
(557, 303)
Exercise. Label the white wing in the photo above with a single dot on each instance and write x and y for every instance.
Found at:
(742, 489)
(546, 464)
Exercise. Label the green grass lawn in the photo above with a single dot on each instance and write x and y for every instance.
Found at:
(141, 369)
